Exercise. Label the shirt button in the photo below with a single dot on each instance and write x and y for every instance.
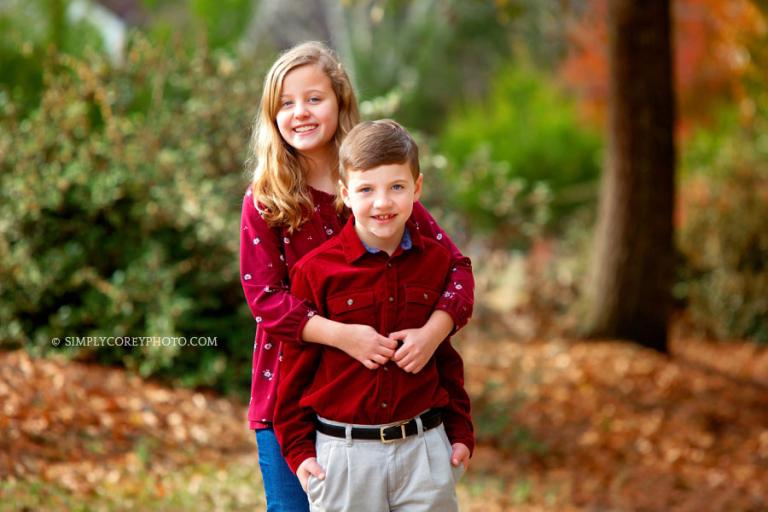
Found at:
(385, 368)
(426, 296)
(391, 299)
(383, 405)
(350, 302)
(389, 265)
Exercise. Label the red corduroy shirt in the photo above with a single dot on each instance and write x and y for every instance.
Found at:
(351, 285)
(266, 257)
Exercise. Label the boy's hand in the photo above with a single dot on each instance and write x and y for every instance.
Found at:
(310, 467)
(460, 455)
(366, 345)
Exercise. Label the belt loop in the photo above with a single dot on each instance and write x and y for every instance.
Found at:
(348, 434)
(419, 426)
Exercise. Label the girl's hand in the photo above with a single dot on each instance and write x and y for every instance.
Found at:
(361, 342)
(310, 466)
(420, 344)
(416, 350)
(460, 455)
(366, 345)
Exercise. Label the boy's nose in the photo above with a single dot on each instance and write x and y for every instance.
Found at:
(381, 201)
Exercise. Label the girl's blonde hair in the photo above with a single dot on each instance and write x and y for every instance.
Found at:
(279, 186)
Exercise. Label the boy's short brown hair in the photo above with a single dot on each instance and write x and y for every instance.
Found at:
(371, 144)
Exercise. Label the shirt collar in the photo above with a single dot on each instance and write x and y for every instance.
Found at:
(354, 248)
(406, 243)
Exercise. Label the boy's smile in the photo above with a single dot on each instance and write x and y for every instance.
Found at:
(381, 200)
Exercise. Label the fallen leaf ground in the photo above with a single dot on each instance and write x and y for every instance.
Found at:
(561, 426)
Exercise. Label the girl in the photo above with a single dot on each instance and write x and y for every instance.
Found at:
(307, 107)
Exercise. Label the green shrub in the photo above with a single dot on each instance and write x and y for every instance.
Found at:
(119, 205)
(29, 31)
(723, 236)
(524, 143)
(219, 23)
(430, 53)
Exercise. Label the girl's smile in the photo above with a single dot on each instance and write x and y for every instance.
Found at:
(308, 113)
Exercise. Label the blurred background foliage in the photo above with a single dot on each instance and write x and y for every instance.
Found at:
(123, 132)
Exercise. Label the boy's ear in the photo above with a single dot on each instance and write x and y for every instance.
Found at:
(344, 193)
(417, 188)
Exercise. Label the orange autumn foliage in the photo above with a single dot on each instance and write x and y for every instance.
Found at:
(713, 51)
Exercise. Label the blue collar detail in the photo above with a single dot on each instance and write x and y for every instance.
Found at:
(406, 243)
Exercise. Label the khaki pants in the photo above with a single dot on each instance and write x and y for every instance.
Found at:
(410, 475)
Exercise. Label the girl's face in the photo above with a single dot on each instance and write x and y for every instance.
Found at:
(308, 113)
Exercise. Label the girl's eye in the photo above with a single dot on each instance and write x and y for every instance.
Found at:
(314, 99)
(286, 103)
(364, 190)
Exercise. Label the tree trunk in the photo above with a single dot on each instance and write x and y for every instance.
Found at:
(633, 265)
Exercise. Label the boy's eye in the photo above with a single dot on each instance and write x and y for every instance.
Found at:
(398, 186)
(364, 190)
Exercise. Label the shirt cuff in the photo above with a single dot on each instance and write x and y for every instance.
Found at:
(302, 323)
(460, 313)
(299, 455)
(469, 442)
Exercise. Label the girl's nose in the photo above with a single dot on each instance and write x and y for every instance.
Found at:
(300, 110)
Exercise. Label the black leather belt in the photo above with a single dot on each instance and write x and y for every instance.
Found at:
(429, 419)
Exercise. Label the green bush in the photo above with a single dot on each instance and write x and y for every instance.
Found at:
(219, 23)
(524, 143)
(29, 31)
(429, 53)
(119, 205)
(723, 237)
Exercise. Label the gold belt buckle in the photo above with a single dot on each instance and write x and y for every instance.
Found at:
(402, 433)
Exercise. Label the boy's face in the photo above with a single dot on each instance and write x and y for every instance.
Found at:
(382, 200)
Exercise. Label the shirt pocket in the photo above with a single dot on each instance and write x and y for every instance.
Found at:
(420, 302)
(354, 307)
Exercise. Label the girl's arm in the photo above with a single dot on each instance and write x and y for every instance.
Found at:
(264, 277)
(452, 311)
(265, 281)
(359, 341)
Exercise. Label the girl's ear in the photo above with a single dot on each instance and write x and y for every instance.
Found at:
(344, 194)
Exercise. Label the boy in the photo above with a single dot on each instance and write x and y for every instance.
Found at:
(381, 436)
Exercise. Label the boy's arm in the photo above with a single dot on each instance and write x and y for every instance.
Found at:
(294, 424)
(456, 416)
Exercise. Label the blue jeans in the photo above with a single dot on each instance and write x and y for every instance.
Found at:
(282, 487)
